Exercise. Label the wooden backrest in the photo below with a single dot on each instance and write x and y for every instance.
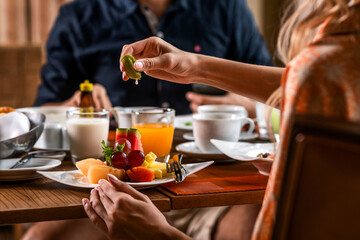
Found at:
(320, 195)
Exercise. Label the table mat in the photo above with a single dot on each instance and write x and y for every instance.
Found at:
(218, 178)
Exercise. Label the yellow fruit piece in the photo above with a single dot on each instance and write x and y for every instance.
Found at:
(97, 172)
(165, 174)
(145, 164)
(150, 157)
(159, 170)
(158, 173)
(85, 164)
(157, 165)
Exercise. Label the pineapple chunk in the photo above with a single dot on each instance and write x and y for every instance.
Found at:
(157, 165)
(158, 173)
(150, 157)
(145, 164)
(165, 174)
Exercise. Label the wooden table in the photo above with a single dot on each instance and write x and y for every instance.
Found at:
(45, 200)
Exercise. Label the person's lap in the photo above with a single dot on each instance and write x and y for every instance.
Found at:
(225, 222)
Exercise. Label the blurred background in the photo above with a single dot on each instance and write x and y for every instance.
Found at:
(24, 28)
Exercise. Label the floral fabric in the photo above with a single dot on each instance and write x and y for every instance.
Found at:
(324, 79)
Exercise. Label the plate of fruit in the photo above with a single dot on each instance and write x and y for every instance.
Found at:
(126, 161)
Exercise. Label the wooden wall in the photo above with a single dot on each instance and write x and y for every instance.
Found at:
(27, 21)
(19, 75)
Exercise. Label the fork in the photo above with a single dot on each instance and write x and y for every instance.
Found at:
(174, 166)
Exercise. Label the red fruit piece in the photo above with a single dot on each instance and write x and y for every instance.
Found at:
(140, 174)
(121, 133)
(134, 137)
(135, 158)
(119, 160)
(127, 147)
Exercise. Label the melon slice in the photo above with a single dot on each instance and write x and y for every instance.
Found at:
(97, 172)
(121, 133)
(85, 164)
(134, 137)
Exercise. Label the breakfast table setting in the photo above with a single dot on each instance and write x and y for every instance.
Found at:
(219, 149)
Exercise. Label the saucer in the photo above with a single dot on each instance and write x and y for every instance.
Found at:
(190, 149)
(190, 136)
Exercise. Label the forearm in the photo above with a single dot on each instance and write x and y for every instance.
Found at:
(253, 81)
(172, 233)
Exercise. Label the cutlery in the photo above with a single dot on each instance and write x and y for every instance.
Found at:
(25, 159)
(174, 166)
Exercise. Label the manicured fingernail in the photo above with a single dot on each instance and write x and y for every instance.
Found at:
(112, 178)
(84, 202)
(138, 65)
(101, 181)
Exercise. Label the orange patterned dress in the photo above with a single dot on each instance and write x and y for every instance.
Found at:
(324, 79)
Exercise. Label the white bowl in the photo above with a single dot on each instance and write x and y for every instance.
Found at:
(24, 142)
(13, 124)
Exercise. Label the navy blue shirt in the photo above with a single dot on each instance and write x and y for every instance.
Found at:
(88, 35)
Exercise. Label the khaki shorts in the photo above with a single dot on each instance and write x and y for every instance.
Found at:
(198, 223)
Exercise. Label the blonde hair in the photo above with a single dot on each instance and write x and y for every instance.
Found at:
(301, 21)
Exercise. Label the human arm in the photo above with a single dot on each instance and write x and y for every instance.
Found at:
(122, 212)
(160, 59)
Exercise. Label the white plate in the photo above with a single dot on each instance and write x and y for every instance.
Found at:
(76, 179)
(248, 152)
(190, 136)
(183, 122)
(190, 149)
(28, 171)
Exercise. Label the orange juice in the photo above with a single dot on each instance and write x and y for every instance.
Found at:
(156, 137)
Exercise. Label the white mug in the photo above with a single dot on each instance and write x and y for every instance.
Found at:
(234, 109)
(222, 126)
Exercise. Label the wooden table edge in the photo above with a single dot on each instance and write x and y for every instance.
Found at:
(214, 199)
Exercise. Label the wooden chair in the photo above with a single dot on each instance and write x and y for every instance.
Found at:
(320, 195)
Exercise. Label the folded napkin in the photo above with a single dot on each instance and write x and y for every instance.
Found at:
(229, 177)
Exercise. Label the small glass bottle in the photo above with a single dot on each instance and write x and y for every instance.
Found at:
(86, 99)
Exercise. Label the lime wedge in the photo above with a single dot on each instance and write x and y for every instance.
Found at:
(128, 61)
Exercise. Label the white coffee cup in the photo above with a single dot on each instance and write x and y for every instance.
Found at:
(123, 115)
(234, 109)
(222, 126)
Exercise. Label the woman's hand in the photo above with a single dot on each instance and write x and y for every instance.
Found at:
(121, 212)
(160, 59)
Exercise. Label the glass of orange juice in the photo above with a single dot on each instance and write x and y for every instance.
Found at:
(156, 127)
